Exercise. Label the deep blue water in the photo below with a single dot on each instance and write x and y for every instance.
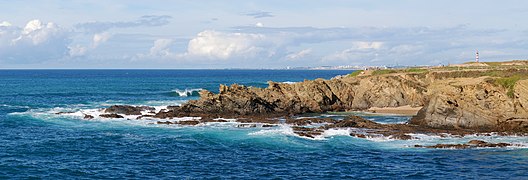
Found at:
(37, 143)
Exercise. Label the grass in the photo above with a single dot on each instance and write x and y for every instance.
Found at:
(509, 83)
(384, 71)
(390, 71)
(355, 73)
(415, 70)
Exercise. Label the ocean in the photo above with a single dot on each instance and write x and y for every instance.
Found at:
(36, 142)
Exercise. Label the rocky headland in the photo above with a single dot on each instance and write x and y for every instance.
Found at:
(459, 102)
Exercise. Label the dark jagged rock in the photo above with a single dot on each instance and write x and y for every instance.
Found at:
(164, 122)
(86, 116)
(307, 132)
(401, 136)
(188, 123)
(354, 121)
(127, 110)
(185, 123)
(470, 144)
(67, 112)
(307, 121)
(111, 116)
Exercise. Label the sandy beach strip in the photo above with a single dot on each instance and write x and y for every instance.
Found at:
(401, 110)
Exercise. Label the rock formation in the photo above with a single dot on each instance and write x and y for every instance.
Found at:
(464, 101)
(312, 96)
(474, 103)
(451, 99)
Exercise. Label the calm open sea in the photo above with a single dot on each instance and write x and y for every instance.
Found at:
(37, 143)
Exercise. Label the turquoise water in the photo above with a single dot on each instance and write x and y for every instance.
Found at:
(37, 143)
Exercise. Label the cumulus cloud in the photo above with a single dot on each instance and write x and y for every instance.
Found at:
(36, 41)
(161, 48)
(259, 14)
(100, 38)
(220, 45)
(146, 21)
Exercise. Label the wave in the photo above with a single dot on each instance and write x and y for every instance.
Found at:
(79, 111)
(14, 106)
(289, 82)
(187, 92)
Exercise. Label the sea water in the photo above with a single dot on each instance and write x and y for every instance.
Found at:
(36, 142)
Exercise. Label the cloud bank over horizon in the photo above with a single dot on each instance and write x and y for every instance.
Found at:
(254, 38)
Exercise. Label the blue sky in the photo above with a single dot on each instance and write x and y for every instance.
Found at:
(258, 34)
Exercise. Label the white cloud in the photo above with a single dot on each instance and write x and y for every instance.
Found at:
(81, 50)
(363, 45)
(361, 51)
(36, 41)
(100, 38)
(161, 48)
(298, 55)
(259, 24)
(5, 24)
(220, 45)
(77, 50)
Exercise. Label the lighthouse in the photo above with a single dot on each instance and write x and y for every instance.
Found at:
(477, 57)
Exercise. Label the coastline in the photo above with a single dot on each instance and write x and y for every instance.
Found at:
(406, 110)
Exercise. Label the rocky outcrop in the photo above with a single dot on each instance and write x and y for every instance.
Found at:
(454, 101)
(111, 116)
(127, 110)
(312, 96)
(468, 145)
(474, 103)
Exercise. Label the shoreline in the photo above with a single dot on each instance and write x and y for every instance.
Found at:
(406, 110)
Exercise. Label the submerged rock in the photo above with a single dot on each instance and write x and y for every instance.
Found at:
(127, 110)
(111, 116)
(470, 144)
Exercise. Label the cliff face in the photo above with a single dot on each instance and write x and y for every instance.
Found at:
(471, 103)
(313, 96)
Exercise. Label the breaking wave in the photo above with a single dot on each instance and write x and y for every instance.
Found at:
(187, 92)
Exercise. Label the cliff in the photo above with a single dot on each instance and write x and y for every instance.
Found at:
(450, 99)
(474, 103)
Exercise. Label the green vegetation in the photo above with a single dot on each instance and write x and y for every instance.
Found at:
(384, 71)
(355, 73)
(509, 83)
(390, 71)
(415, 70)
(493, 63)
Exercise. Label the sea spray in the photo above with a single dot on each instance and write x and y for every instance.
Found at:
(187, 92)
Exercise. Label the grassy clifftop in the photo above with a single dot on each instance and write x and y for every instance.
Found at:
(505, 74)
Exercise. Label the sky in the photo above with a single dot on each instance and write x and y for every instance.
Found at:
(210, 34)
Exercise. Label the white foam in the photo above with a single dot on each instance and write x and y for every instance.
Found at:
(187, 92)
(281, 130)
(336, 132)
(289, 82)
(14, 106)
(228, 120)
